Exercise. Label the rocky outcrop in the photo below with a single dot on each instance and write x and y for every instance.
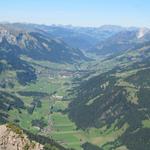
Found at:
(9, 140)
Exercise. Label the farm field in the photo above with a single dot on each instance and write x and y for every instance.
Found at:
(45, 103)
(49, 118)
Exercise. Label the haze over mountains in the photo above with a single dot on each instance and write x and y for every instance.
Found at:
(38, 44)
(87, 88)
(83, 37)
(124, 40)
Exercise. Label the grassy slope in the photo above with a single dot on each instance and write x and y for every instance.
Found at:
(58, 124)
(131, 74)
(61, 127)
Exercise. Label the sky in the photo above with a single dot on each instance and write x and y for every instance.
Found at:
(77, 12)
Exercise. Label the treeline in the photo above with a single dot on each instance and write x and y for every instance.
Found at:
(47, 142)
(101, 101)
(11, 55)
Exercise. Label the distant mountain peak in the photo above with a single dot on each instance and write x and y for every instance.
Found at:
(37, 44)
(142, 32)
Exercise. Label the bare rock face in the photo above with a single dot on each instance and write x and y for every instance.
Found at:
(9, 140)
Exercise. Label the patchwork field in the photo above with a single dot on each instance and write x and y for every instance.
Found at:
(45, 114)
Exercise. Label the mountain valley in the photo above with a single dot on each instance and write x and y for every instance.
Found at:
(76, 88)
